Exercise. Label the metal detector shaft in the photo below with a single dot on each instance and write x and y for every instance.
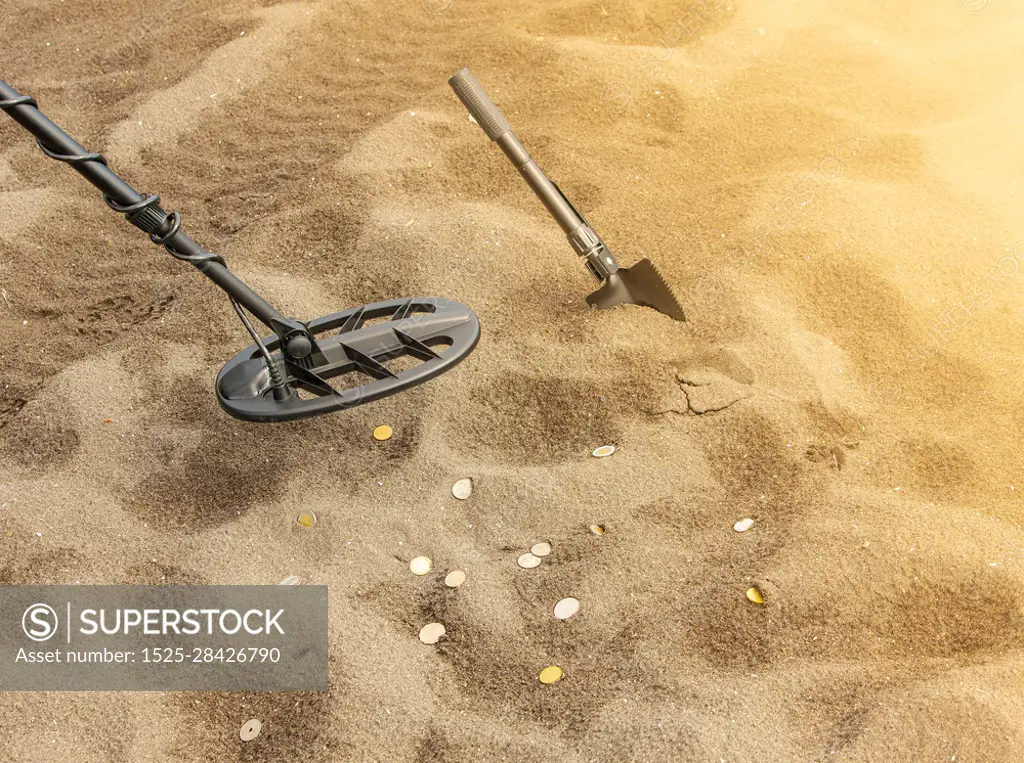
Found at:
(583, 238)
(59, 145)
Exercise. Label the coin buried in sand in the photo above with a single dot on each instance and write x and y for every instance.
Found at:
(455, 578)
(250, 730)
(566, 608)
(743, 525)
(382, 433)
(597, 529)
(431, 633)
(306, 519)
(463, 489)
(550, 674)
(755, 596)
(528, 561)
(291, 580)
(541, 549)
(604, 451)
(420, 565)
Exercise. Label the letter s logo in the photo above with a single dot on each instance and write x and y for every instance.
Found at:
(39, 622)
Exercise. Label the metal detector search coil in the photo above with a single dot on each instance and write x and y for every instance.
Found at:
(437, 332)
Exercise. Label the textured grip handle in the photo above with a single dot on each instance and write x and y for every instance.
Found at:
(480, 105)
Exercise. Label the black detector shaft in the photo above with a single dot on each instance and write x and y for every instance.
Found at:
(288, 375)
(142, 211)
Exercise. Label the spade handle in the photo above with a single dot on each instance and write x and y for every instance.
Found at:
(583, 238)
(497, 128)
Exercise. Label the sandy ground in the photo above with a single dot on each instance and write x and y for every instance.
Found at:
(832, 188)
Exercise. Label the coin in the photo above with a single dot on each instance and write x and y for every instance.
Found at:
(431, 633)
(604, 451)
(250, 730)
(455, 578)
(528, 561)
(541, 549)
(597, 529)
(743, 525)
(383, 432)
(566, 608)
(462, 489)
(420, 565)
(550, 674)
(755, 596)
(306, 519)
(291, 580)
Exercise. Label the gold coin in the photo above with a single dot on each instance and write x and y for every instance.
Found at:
(306, 519)
(420, 565)
(755, 596)
(597, 529)
(250, 730)
(455, 578)
(604, 451)
(550, 674)
(528, 561)
(431, 633)
(383, 432)
(541, 549)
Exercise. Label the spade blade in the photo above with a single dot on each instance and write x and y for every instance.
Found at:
(641, 284)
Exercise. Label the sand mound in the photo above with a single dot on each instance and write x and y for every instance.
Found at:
(832, 191)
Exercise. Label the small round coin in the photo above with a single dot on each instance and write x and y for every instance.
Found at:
(463, 489)
(550, 674)
(597, 529)
(455, 578)
(420, 565)
(250, 730)
(541, 549)
(604, 451)
(431, 633)
(754, 595)
(306, 519)
(566, 608)
(743, 525)
(382, 433)
(528, 561)
(291, 580)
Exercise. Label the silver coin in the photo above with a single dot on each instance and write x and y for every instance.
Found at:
(541, 549)
(743, 525)
(455, 578)
(291, 580)
(463, 489)
(528, 561)
(250, 730)
(431, 633)
(566, 608)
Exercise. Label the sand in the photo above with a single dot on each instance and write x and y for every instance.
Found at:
(833, 190)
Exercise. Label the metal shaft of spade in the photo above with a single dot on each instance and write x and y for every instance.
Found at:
(583, 238)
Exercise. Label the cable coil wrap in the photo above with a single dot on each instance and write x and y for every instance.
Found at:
(146, 215)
